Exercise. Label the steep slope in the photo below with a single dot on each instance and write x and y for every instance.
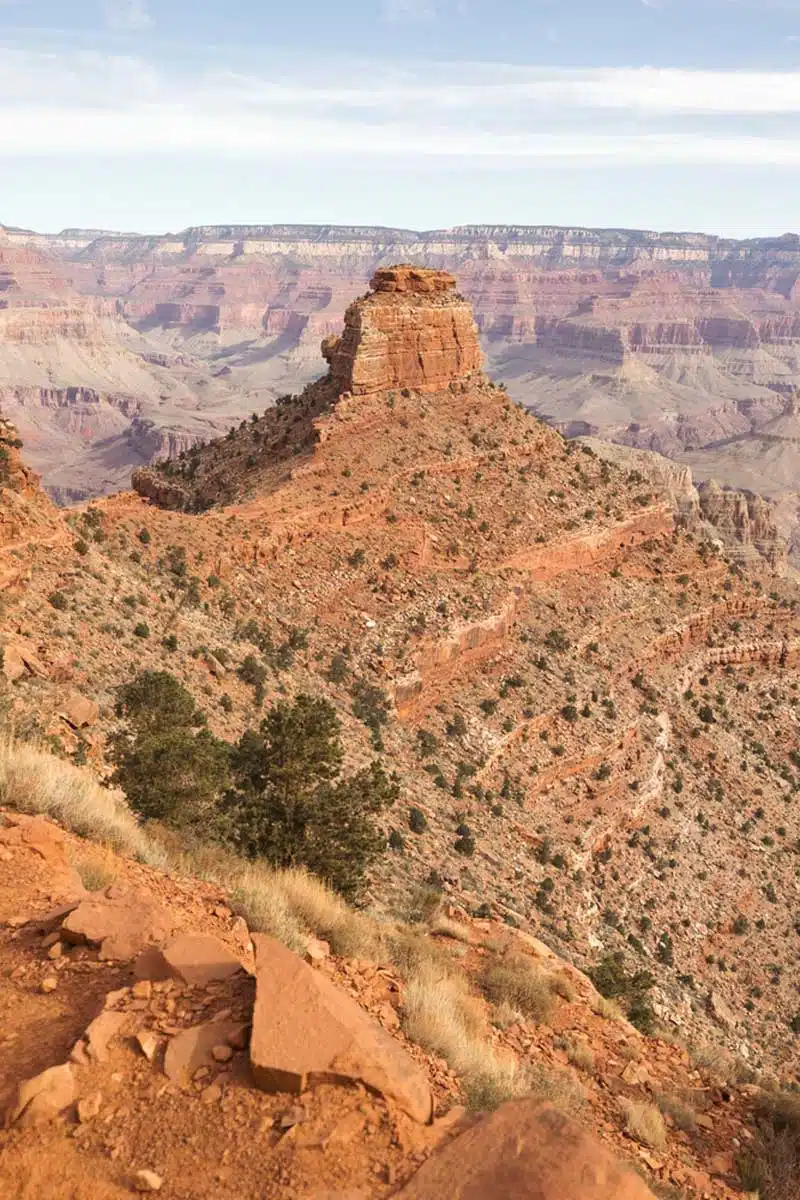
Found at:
(593, 709)
(136, 1065)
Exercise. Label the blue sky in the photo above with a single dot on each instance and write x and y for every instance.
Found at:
(158, 114)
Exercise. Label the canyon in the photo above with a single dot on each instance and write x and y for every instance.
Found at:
(583, 670)
(122, 349)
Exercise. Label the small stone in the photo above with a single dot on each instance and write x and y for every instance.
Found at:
(51, 939)
(50, 983)
(211, 1094)
(143, 990)
(45, 1096)
(147, 1181)
(89, 1107)
(293, 1116)
(55, 952)
(239, 1037)
(114, 997)
(705, 1122)
(148, 1044)
(221, 1054)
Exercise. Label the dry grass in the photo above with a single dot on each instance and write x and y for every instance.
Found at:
(442, 1016)
(445, 927)
(645, 1123)
(609, 1010)
(94, 875)
(33, 781)
(580, 1055)
(682, 1113)
(350, 933)
(515, 979)
(505, 1015)
(561, 985)
(257, 897)
(771, 1165)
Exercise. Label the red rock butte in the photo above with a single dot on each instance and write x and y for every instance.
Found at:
(412, 330)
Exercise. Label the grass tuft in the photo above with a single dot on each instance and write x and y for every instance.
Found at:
(515, 979)
(441, 1015)
(645, 1123)
(35, 782)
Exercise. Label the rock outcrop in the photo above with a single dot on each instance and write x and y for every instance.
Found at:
(525, 1151)
(306, 1032)
(411, 331)
(743, 520)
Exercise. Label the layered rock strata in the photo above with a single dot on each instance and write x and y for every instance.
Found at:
(412, 331)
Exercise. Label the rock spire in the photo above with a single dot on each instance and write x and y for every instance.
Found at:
(412, 330)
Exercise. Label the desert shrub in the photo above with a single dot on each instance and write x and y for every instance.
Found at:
(514, 978)
(371, 706)
(645, 1123)
(289, 805)
(168, 771)
(417, 821)
(141, 630)
(580, 1055)
(614, 982)
(440, 1014)
(58, 601)
(771, 1164)
(682, 1113)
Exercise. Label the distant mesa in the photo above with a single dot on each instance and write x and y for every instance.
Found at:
(412, 330)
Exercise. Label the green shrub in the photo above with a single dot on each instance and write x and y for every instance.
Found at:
(58, 600)
(141, 630)
(289, 804)
(417, 821)
(168, 771)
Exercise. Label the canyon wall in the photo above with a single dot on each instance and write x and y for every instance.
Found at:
(681, 343)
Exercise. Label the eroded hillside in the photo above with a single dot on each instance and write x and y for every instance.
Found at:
(592, 710)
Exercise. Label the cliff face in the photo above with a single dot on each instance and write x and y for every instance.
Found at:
(743, 518)
(410, 331)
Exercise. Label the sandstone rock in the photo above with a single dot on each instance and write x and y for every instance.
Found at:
(49, 983)
(721, 1011)
(148, 1043)
(193, 958)
(524, 1151)
(193, 1049)
(46, 1095)
(316, 951)
(120, 922)
(410, 331)
(306, 1031)
(147, 1181)
(78, 711)
(102, 1032)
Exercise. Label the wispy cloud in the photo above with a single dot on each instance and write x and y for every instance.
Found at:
(397, 11)
(126, 15)
(97, 103)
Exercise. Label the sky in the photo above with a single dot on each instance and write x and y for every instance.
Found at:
(154, 115)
